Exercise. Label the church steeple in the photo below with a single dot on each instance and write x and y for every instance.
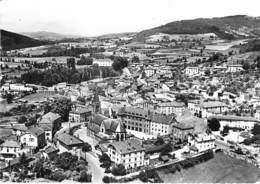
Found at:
(96, 103)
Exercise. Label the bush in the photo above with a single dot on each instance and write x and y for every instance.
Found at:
(86, 147)
(85, 177)
(107, 179)
(57, 176)
(119, 170)
(66, 161)
(143, 176)
(214, 124)
(22, 119)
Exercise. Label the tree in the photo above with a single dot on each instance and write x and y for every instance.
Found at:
(225, 130)
(256, 129)
(22, 119)
(66, 161)
(9, 98)
(40, 170)
(143, 176)
(71, 63)
(159, 141)
(119, 63)
(84, 176)
(246, 66)
(213, 124)
(86, 147)
(135, 59)
(119, 170)
(207, 72)
(23, 159)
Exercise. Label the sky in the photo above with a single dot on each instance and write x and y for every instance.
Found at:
(97, 17)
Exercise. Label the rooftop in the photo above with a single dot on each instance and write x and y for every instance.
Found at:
(128, 146)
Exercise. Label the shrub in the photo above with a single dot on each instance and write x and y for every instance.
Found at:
(143, 176)
(85, 177)
(119, 170)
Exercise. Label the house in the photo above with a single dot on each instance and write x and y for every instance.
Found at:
(170, 107)
(136, 119)
(191, 71)
(234, 68)
(79, 114)
(50, 152)
(103, 62)
(161, 124)
(34, 137)
(47, 131)
(130, 153)
(203, 142)
(149, 71)
(146, 121)
(69, 143)
(52, 120)
(243, 122)
(10, 149)
(207, 108)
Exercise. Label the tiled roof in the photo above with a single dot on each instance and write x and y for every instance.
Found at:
(9, 143)
(50, 117)
(171, 104)
(212, 104)
(128, 146)
(98, 119)
(163, 119)
(69, 140)
(235, 118)
(37, 131)
(50, 149)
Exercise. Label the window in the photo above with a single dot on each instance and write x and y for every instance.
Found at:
(31, 139)
(47, 134)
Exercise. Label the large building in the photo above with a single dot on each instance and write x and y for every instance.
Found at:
(79, 113)
(191, 71)
(103, 62)
(243, 122)
(146, 121)
(130, 153)
(170, 108)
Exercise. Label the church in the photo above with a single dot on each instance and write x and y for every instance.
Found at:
(102, 128)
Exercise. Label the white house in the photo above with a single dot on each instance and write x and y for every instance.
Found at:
(191, 71)
(246, 123)
(130, 153)
(234, 68)
(170, 107)
(103, 62)
(10, 149)
(203, 142)
(34, 137)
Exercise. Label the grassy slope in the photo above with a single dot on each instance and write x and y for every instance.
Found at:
(222, 168)
(196, 26)
(10, 41)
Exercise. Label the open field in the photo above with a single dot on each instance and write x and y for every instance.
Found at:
(220, 169)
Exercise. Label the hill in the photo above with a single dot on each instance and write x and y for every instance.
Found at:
(116, 35)
(10, 41)
(51, 36)
(229, 27)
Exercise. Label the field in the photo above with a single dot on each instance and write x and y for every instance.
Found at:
(224, 46)
(220, 169)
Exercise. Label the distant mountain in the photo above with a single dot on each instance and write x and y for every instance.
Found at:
(10, 41)
(229, 27)
(116, 35)
(50, 36)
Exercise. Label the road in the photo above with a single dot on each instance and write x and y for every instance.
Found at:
(97, 172)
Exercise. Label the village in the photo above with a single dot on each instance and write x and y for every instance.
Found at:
(126, 109)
